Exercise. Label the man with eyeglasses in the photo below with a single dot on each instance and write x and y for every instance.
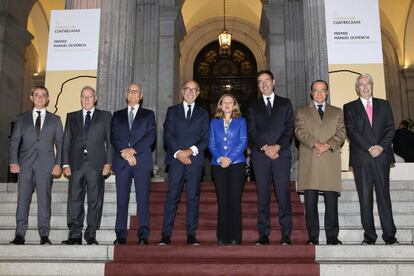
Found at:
(36, 136)
(87, 159)
(133, 133)
(369, 126)
(186, 134)
(319, 127)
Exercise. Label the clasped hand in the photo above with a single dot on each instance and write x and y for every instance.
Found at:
(129, 155)
(184, 156)
(375, 150)
(272, 151)
(321, 148)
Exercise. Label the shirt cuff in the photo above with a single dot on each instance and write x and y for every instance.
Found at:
(195, 150)
(65, 166)
(175, 154)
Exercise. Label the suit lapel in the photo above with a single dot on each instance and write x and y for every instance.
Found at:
(29, 121)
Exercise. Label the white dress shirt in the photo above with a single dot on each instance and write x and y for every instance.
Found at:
(42, 116)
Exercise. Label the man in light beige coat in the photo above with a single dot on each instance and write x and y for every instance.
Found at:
(320, 129)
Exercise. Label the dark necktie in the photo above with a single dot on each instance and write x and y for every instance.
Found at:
(320, 110)
(131, 117)
(37, 124)
(188, 113)
(268, 106)
(87, 122)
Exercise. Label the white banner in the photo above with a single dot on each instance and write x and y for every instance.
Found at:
(353, 31)
(73, 40)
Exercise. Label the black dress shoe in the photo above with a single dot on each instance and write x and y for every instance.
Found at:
(235, 242)
(72, 241)
(263, 240)
(92, 241)
(143, 241)
(313, 242)
(391, 241)
(165, 240)
(18, 240)
(368, 241)
(192, 240)
(285, 240)
(120, 241)
(45, 240)
(333, 242)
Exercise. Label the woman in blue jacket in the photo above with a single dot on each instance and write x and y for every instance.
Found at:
(228, 141)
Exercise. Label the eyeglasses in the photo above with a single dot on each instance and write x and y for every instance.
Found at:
(189, 89)
(88, 97)
(133, 92)
(319, 90)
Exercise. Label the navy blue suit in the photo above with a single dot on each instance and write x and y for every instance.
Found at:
(141, 137)
(269, 130)
(372, 171)
(178, 135)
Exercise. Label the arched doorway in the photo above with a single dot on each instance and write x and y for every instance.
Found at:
(225, 71)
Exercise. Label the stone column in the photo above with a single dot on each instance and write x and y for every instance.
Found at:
(14, 38)
(116, 52)
(172, 31)
(295, 53)
(272, 28)
(408, 92)
(316, 52)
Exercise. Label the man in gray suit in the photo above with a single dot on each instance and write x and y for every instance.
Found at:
(36, 136)
(87, 155)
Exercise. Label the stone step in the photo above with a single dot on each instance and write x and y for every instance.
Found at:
(366, 260)
(156, 209)
(107, 236)
(56, 267)
(347, 184)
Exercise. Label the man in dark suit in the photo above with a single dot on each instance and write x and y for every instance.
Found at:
(36, 136)
(186, 133)
(133, 133)
(370, 128)
(87, 155)
(403, 142)
(270, 129)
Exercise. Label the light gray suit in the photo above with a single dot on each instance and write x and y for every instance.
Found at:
(36, 157)
(86, 155)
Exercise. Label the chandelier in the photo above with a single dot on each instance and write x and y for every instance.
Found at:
(224, 37)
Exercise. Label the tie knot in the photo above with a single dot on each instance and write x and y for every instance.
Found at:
(268, 99)
(38, 112)
(132, 108)
(320, 106)
(189, 106)
(88, 112)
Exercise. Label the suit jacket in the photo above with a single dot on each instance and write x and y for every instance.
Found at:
(362, 136)
(141, 137)
(231, 144)
(180, 134)
(97, 143)
(275, 129)
(26, 148)
(323, 172)
(403, 144)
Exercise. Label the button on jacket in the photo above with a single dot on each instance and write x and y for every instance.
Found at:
(231, 143)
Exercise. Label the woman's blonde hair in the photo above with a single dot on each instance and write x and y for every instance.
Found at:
(219, 111)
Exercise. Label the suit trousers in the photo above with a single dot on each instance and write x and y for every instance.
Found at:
(91, 182)
(312, 214)
(274, 173)
(29, 180)
(366, 178)
(177, 175)
(229, 183)
(142, 181)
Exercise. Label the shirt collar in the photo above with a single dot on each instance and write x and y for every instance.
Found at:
(135, 108)
(186, 105)
(272, 98)
(323, 105)
(84, 111)
(364, 101)
(42, 111)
